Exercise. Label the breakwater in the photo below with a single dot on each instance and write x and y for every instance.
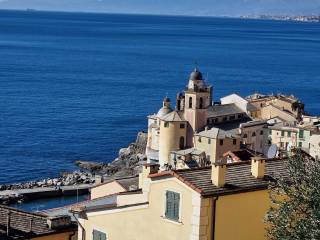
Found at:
(68, 184)
(22, 195)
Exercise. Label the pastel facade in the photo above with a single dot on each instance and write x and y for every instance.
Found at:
(288, 108)
(188, 204)
(215, 142)
(114, 186)
(315, 145)
(254, 135)
(286, 137)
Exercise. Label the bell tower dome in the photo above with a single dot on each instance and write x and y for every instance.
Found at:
(198, 98)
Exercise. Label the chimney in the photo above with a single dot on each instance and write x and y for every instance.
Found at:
(58, 222)
(258, 167)
(218, 174)
(148, 168)
(98, 179)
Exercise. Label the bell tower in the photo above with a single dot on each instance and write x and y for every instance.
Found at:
(198, 98)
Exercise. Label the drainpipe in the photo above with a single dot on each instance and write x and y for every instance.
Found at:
(213, 222)
(8, 223)
(72, 235)
(83, 234)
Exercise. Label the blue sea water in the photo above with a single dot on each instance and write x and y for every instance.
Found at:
(79, 86)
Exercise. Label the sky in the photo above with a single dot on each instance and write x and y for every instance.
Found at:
(174, 7)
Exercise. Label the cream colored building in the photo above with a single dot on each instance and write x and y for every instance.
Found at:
(215, 142)
(254, 135)
(315, 145)
(218, 202)
(177, 129)
(287, 136)
(288, 108)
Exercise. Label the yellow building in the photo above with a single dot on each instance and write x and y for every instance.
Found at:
(18, 224)
(215, 142)
(221, 202)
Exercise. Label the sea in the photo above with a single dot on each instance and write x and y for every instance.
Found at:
(79, 86)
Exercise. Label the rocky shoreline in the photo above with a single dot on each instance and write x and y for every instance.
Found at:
(127, 163)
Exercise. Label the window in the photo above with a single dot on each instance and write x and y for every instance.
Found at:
(261, 132)
(221, 142)
(201, 103)
(190, 102)
(166, 124)
(282, 133)
(182, 125)
(245, 135)
(97, 235)
(232, 118)
(281, 144)
(300, 144)
(209, 141)
(234, 141)
(172, 205)
(199, 139)
(289, 134)
(240, 116)
(301, 134)
(181, 143)
(253, 134)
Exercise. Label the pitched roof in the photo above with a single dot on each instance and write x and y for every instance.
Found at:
(125, 182)
(173, 116)
(25, 225)
(254, 123)
(192, 151)
(238, 178)
(216, 133)
(223, 110)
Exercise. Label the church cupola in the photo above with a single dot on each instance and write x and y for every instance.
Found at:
(196, 81)
(165, 108)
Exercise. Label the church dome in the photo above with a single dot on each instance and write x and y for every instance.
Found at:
(196, 75)
(164, 111)
(165, 108)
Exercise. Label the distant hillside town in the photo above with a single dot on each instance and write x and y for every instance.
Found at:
(312, 18)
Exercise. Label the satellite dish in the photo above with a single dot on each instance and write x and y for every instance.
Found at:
(272, 151)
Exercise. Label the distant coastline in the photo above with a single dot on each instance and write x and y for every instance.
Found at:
(298, 18)
(309, 18)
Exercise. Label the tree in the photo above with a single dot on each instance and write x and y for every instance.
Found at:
(295, 197)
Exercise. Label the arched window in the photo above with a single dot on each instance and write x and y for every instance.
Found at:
(181, 143)
(190, 102)
(201, 103)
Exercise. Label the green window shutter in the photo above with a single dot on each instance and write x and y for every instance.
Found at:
(172, 205)
(289, 134)
(282, 133)
(97, 235)
(301, 133)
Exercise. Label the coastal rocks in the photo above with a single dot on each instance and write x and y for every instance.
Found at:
(66, 179)
(128, 162)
